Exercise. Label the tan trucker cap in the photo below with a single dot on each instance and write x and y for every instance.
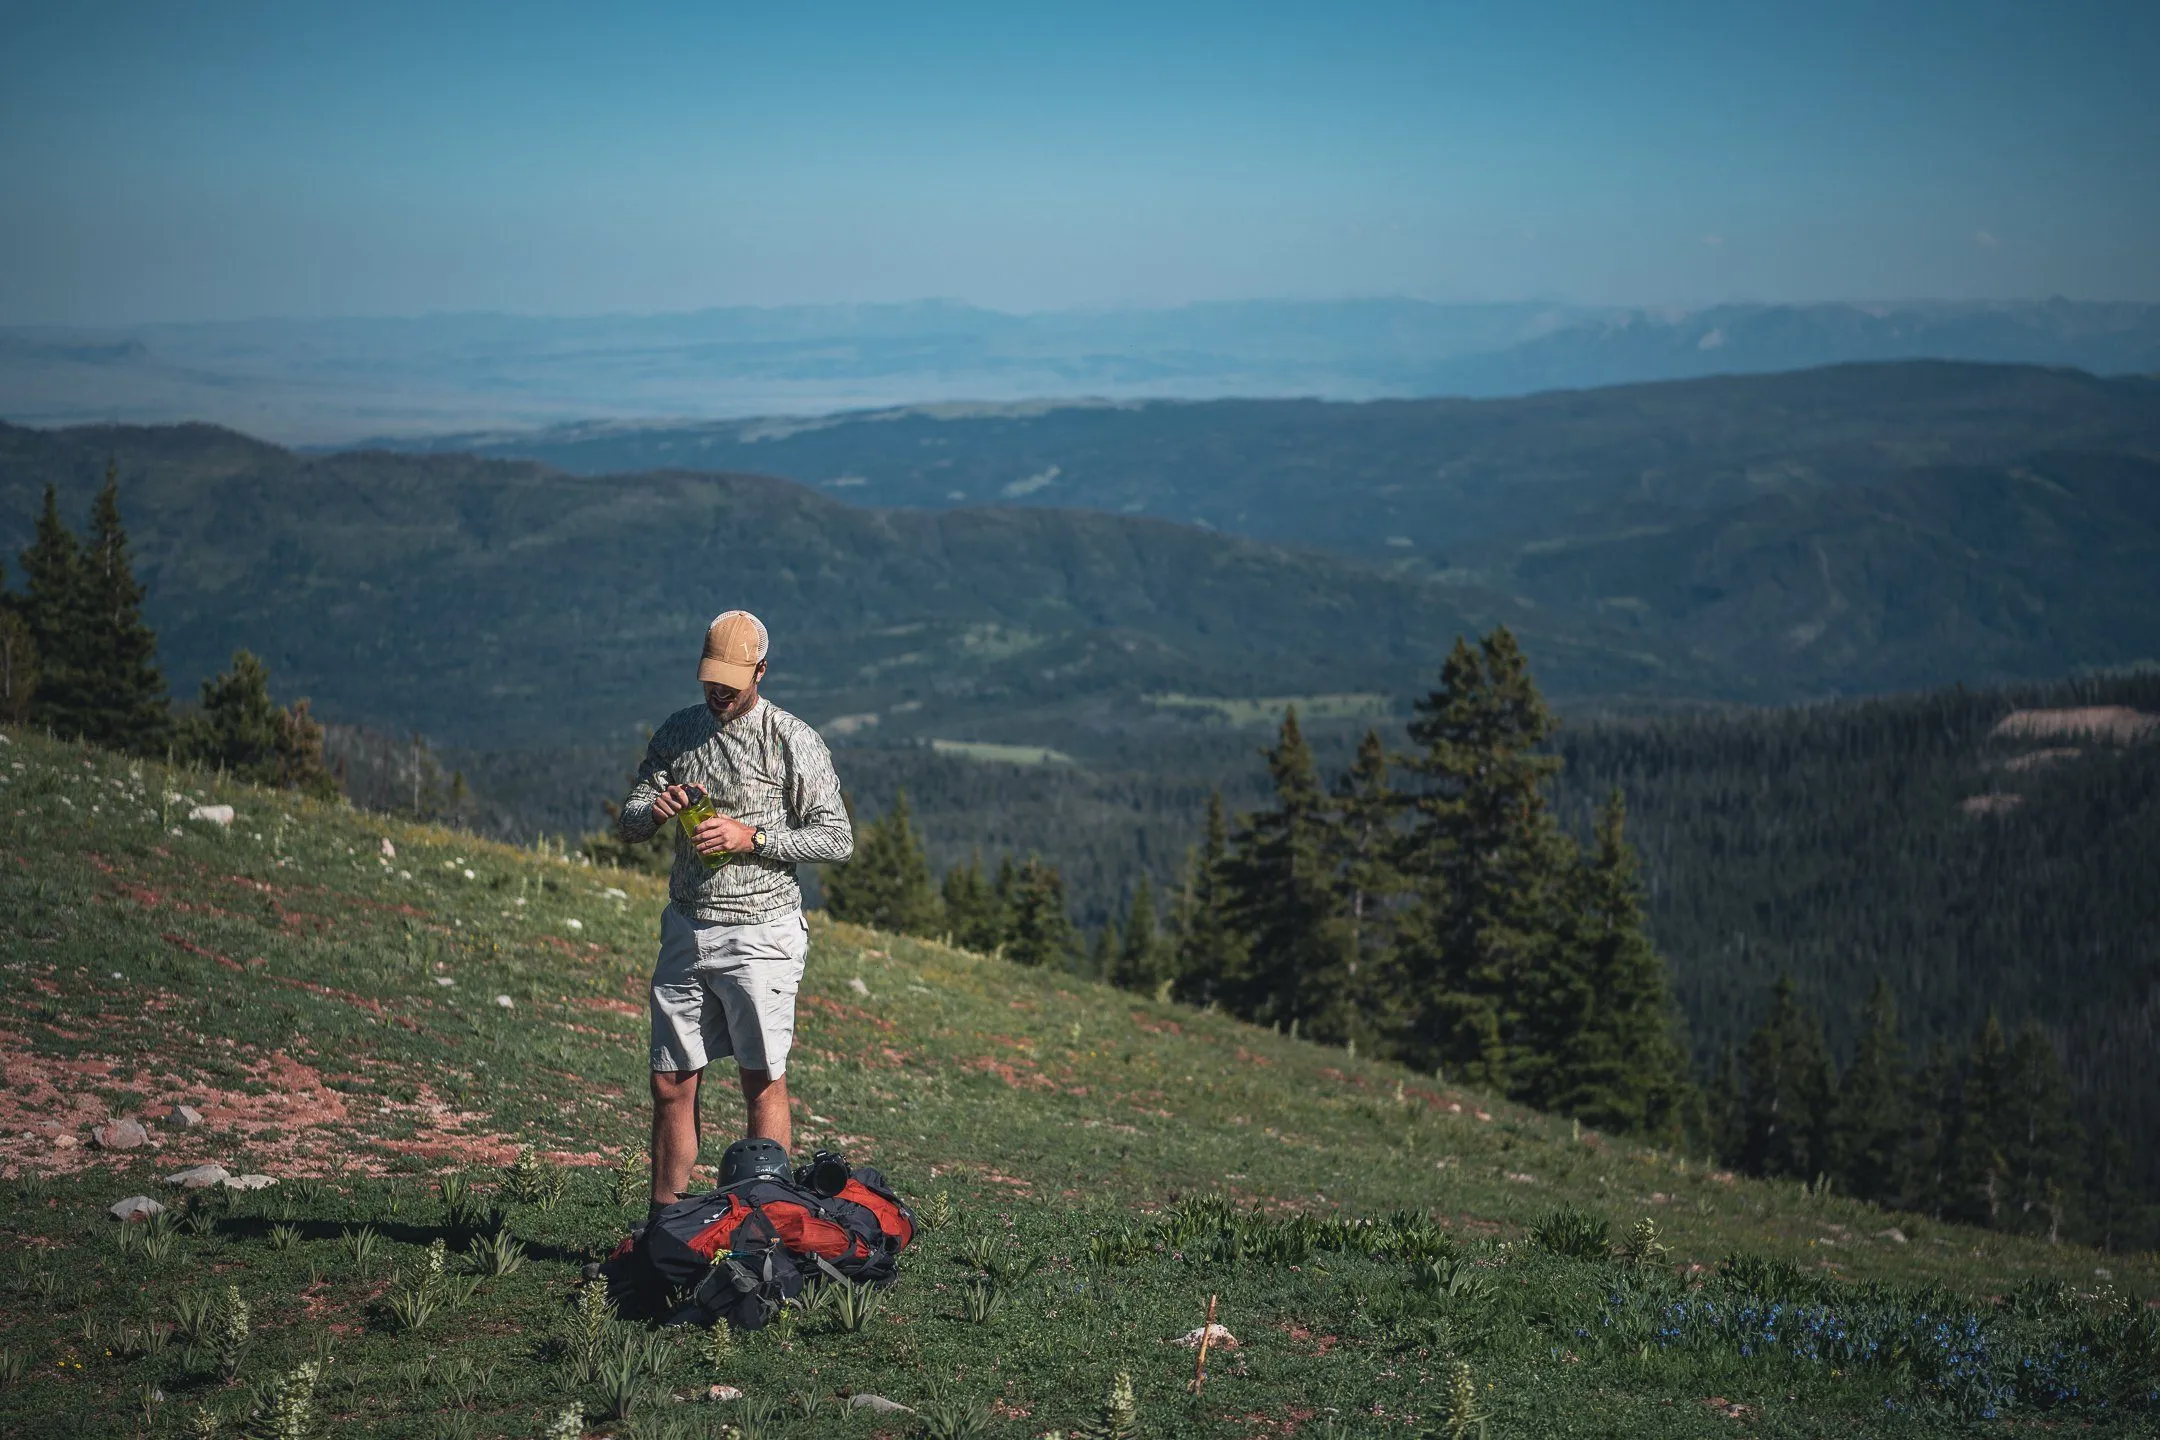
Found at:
(735, 643)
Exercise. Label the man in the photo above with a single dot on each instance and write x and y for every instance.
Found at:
(733, 938)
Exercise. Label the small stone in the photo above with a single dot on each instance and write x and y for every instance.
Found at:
(200, 1177)
(1218, 1337)
(389, 851)
(215, 814)
(135, 1207)
(723, 1392)
(183, 1117)
(121, 1135)
(1894, 1235)
(65, 1142)
(856, 984)
(575, 924)
(251, 1182)
(445, 981)
(878, 1403)
(505, 1001)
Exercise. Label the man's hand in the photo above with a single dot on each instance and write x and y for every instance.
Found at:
(720, 836)
(669, 803)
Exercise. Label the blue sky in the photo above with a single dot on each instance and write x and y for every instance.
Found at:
(224, 160)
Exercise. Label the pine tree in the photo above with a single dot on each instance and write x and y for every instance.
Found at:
(1362, 848)
(1040, 932)
(1210, 957)
(1727, 1112)
(1871, 1116)
(300, 764)
(1935, 1121)
(2042, 1146)
(237, 729)
(1979, 1167)
(1103, 951)
(1283, 903)
(1789, 1086)
(973, 910)
(1485, 860)
(2111, 1199)
(123, 692)
(18, 659)
(1601, 1023)
(55, 609)
(1142, 962)
(887, 884)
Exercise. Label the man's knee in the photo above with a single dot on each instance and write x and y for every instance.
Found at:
(674, 1087)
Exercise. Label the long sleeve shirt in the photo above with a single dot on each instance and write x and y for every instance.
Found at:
(765, 768)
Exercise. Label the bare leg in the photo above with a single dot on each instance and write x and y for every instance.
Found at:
(767, 1098)
(674, 1132)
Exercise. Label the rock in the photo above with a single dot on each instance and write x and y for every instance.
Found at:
(65, 1142)
(1894, 1235)
(1217, 1336)
(445, 981)
(878, 1403)
(135, 1207)
(723, 1392)
(121, 1135)
(200, 1177)
(215, 814)
(183, 1117)
(389, 851)
(858, 987)
(505, 1001)
(251, 1182)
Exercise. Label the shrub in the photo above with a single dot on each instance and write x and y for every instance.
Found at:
(1573, 1234)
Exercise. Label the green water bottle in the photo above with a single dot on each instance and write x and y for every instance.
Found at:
(696, 813)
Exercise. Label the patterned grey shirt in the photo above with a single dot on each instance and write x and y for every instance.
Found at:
(765, 768)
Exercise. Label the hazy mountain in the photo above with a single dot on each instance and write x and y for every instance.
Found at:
(504, 603)
(1427, 480)
(332, 381)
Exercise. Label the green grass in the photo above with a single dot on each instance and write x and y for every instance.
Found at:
(995, 754)
(1107, 1164)
(1268, 709)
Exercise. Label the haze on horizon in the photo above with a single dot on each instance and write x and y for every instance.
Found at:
(249, 160)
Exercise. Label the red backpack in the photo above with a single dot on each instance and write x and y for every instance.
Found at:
(742, 1251)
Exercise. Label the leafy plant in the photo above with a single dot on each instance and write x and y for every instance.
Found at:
(759, 1417)
(530, 1180)
(853, 1305)
(625, 1181)
(287, 1411)
(589, 1322)
(1461, 1414)
(11, 1368)
(497, 1255)
(624, 1382)
(567, 1424)
(936, 1212)
(1119, 1416)
(284, 1237)
(717, 1345)
(229, 1332)
(951, 1418)
(360, 1246)
(192, 1314)
(411, 1307)
(1572, 1233)
(1643, 1246)
(980, 1300)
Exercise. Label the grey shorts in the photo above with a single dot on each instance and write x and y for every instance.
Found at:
(722, 990)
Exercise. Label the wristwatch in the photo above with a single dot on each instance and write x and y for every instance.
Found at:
(757, 842)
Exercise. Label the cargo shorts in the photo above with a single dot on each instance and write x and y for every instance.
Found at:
(721, 990)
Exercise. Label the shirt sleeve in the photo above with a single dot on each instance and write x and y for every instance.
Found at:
(635, 822)
(818, 822)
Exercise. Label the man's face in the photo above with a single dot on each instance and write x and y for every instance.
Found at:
(726, 702)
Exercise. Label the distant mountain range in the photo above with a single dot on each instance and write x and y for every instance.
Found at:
(1762, 540)
(335, 381)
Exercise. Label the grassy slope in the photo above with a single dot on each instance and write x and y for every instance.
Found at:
(283, 978)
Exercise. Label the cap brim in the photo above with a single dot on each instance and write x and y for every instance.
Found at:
(720, 672)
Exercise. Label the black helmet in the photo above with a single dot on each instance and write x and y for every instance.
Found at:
(749, 1159)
